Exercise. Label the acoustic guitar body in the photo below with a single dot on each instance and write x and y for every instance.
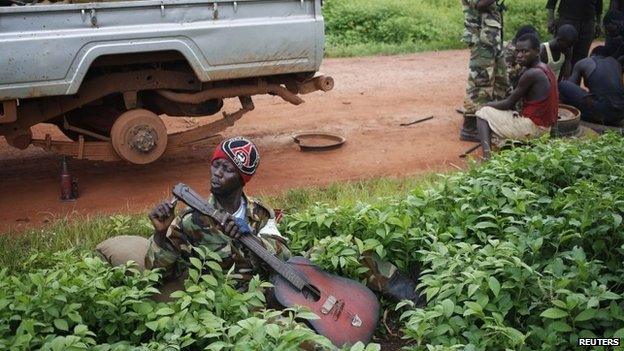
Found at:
(348, 310)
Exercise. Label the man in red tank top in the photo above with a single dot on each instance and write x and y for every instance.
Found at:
(537, 89)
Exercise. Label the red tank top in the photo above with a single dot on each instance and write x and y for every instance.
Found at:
(544, 112)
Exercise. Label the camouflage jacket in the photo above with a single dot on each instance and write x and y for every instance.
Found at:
(514, 69)
(482, 26)
(194, 229)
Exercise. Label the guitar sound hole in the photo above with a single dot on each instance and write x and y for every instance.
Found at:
(311, 293)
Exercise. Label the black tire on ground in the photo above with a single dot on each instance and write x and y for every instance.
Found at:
(565, 128)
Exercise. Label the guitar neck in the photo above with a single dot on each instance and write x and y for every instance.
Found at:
(195, 201)
(278, 265)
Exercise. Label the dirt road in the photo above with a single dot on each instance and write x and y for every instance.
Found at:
(371, 98)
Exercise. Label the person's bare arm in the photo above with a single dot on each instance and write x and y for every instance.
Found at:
(566, 70)
(526, 81)
(578, 72)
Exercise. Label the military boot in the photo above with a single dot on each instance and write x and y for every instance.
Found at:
(469, 129)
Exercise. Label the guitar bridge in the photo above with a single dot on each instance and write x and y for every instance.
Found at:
(328, 305)
(338, 309)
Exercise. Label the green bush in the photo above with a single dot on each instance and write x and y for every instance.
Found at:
(525, 252)
(365, 27)
(84, 304)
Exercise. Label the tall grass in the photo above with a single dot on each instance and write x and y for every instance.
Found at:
(369, 27)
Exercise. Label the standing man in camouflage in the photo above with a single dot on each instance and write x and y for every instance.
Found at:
(234, 162)
(487, 79)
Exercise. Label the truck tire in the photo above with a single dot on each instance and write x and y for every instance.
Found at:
(139, 136)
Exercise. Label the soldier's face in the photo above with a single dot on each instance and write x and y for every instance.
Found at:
(525, 54)
(224, 177)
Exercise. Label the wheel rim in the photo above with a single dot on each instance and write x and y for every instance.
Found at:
(139, 136)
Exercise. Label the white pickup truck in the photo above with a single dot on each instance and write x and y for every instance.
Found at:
(103, 72)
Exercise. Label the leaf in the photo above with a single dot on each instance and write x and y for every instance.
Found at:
(559, 303)
(214, 266)
(307, 315)
(508, 193)
(585, 315)
(474, 306)
(619, 334)
(447, 306)
(515, 335)
(216, 346)
(554, 313)
(176, 295)
(273, 330)
(608, 295)
(472, 288)
(210, 279)
(61, 324)
(494, 285)
(196, 262)
(359, 346)
(143, 308)
(165, 311)
(560, 326)
(152, 325)
(81, 329)
(486, 224)
(617, 220)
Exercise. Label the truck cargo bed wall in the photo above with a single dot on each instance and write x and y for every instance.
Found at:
(48, 49)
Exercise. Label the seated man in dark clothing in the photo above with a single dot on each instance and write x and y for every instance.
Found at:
(604, 103)
(537, 89)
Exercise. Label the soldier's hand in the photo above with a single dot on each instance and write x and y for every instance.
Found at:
(230, 228)
(161, 216)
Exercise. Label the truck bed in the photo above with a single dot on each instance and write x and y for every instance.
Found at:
(48, 49)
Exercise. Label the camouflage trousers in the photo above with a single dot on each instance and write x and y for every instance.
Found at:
(487, 79)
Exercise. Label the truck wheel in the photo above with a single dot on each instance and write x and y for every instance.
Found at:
(139, 136)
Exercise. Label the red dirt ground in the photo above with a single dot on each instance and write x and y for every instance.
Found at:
(372, 96)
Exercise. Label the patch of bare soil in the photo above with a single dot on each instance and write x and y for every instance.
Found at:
(371, 98)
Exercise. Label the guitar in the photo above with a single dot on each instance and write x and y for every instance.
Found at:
(348, 311)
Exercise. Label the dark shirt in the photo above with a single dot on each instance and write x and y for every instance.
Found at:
(605, 81)
(582, 10)
(617, 5)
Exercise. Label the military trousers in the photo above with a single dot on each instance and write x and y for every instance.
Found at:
(487, 77)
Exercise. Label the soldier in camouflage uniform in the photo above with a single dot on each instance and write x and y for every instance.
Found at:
(487, 79)
(234, 162)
